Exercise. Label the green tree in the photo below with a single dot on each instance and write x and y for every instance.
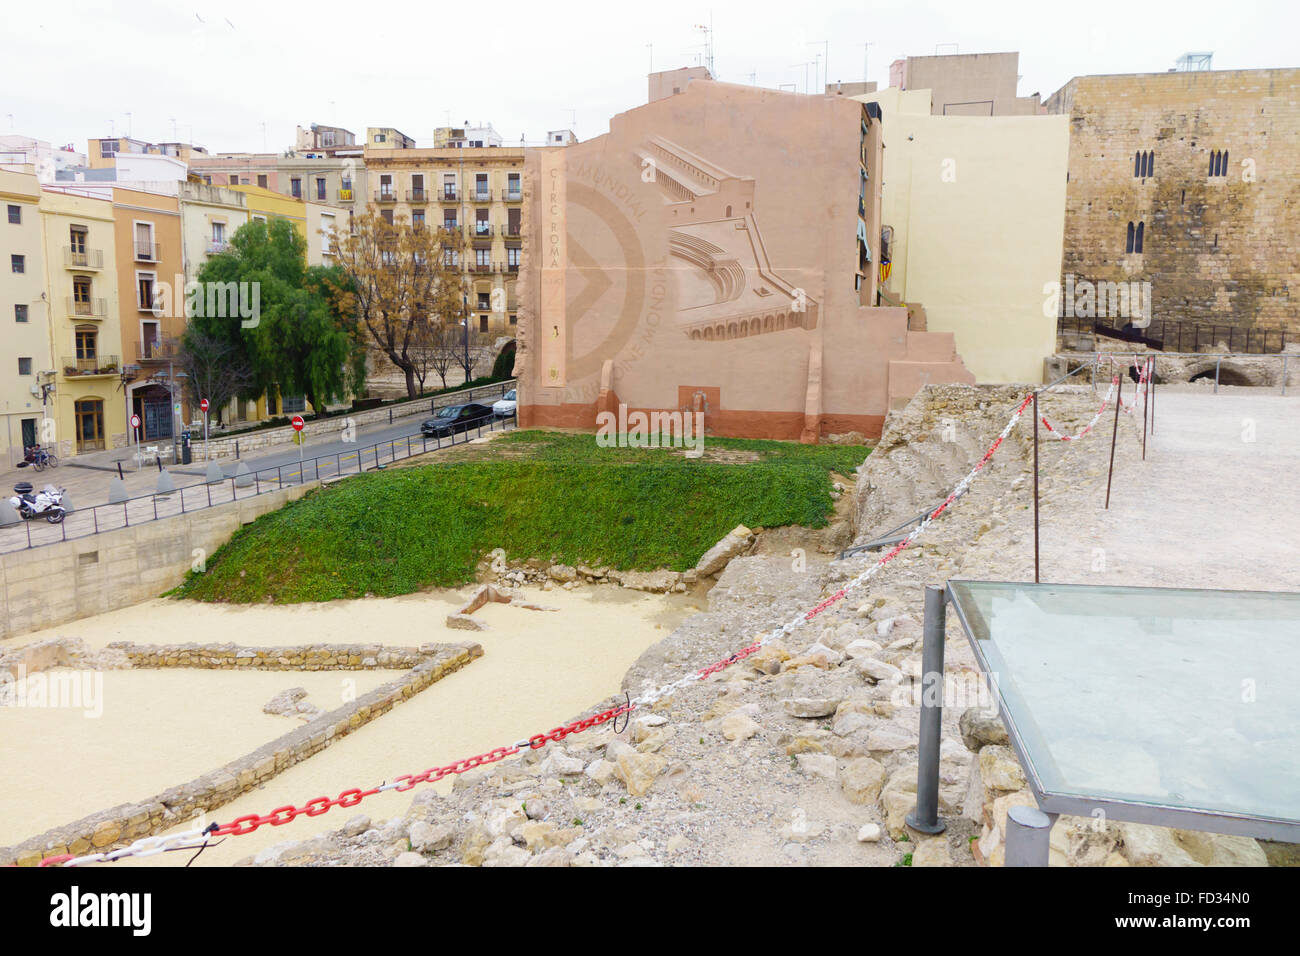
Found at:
(302, 338)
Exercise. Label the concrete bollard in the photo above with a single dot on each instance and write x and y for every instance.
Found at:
(117, 491)
(68, 506)
(165, 484)
(215, 475)
(243, 477)
(8, 513)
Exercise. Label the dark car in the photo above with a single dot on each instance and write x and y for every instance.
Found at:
(455, 418)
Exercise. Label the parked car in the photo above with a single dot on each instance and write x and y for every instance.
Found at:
(506, 406)
(455, 418)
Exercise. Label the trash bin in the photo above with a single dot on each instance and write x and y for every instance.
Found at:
(187, 452)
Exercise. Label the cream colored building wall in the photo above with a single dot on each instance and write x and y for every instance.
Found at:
(201, 206)
(30, 339)
(60, 211)
(977, 205)
(320, 218)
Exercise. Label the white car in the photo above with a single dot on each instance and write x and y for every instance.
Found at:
(505, 408)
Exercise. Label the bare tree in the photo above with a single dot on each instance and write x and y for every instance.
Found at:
(401, 275)
(434, 350)
(215, 368)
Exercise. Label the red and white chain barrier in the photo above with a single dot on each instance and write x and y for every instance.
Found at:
(197, 836)
(1057, 433)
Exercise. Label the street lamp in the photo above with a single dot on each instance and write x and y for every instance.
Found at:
(464, 297)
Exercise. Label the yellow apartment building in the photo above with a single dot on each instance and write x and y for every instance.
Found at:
(476, 191)
(27, 375)
(81, 285)
(151, 307)
(314, 221)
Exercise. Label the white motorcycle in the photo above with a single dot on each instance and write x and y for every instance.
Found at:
(47, 504)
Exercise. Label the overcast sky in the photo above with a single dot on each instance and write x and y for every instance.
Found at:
(241, 74)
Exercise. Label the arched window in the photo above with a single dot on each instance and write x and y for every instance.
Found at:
(1223, 164)
(1128, 244)
(1137, 242)
(1137, 164)
(1151, 163)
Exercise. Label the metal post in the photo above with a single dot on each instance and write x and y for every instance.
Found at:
(1284, 374)
(1114, 433)
(925, 818)
(1036, 487)
(1146, 398)
(1151, 386)
(1218, 362)
(1029, 833)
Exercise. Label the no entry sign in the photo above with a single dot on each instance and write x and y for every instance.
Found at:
(135, 421)
(203, 404)
(298, 423)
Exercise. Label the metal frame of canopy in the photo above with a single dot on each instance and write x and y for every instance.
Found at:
(1028, 829)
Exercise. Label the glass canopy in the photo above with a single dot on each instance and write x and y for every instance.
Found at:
(1179, 703)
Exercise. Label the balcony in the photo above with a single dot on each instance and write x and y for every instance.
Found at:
(483, 268)
(386, 195)
(345, 195)
(450, 195)
(515, 194)
(512, 230)
(146, 252)
(83, 258)
(94, 365)
(87, 308)
(152, 352)
(480, 195)
(417, 195)
(512, 268)
(216, 246)
(481, 230)
(452, 226)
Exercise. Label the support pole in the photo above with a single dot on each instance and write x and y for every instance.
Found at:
(1151, 385)
(1114, 432)
(1036, 581)
(1146, 399)
(925, 818)
(1029, 832)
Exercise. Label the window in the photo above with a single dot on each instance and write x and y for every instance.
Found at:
(144, 292)
(388, 215)
(417, 186)
(295, 188)
(320, 187)
(448, 185)
(234, 179)
(483, 257)
(144, 249)
(327, 235)
(20, 312)
(261, 180)
(107, 148)
(218, 234)
(81, 295)
(294, 404)
(385, 187)
(380, 137)
(15, 215)
(89, 414)
(449, 220)
(514, 320)
(87, 341)
(1133, 244)
(482, 225)
(480, 186)
(417, 219)
(1218, 163)
(513, 189)
(482, 323)
(512, 257)
(24, 365)
(77, 238)
(484, 301)
(1144, 164)
(18, 263)
(451, 257)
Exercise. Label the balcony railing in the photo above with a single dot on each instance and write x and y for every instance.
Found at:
(512, 267)
(480, 267)
(452, 226)
(481, 195)
(481, 230)
(417, 195)
(512, 230)
(512, 195)
(217, 245)
(83, 258)
(94, 365)
(153, 352)
(87, 308)
(386, 195)
(146, 252)
(450, 195)
(345, 195)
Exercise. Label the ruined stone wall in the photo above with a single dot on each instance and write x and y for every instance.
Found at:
(1216, 249)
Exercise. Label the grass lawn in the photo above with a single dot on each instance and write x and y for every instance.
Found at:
(537, 494)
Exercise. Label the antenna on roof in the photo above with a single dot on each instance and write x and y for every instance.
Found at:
(708, 44)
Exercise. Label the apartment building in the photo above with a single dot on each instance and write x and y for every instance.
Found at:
(105, 152)
(314, 221)
(151, 306)
(466, 137)
(966, 84)
(385, 137)
(81, 285)
(476, 191)
(210, 215)
(27, 375)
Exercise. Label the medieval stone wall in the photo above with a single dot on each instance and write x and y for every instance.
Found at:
(1216, 249)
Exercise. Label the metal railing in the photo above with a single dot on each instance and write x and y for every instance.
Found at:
(1251, 360)
(449, 195)
(87, 308)
(512, 195)
(417, 195)
(483, 195)
(92, 365)
(1181, 336)
(146, 251)
(83, 258)
(83, 523)
(386, 195)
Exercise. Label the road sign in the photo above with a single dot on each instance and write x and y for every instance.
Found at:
(203, 404)
(135, 421)
(298, 423)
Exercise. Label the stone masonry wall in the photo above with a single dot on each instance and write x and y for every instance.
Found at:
(1216, 249)
(122, 824)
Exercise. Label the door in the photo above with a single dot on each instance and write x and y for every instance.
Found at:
(89, 414)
